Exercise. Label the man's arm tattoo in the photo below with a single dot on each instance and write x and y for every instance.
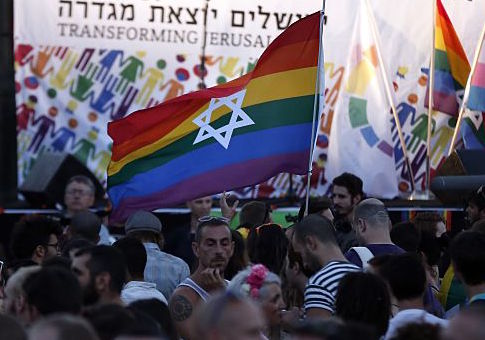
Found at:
(180, 308)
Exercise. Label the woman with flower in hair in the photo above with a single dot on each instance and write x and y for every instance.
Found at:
(264, 287)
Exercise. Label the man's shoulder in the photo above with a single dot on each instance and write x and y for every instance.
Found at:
(336, 268)
(182, 293)
(167, 258)
(384, 249)
(414, 315)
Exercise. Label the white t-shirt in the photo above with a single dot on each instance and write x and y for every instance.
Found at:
(140, 290)
(408, 316)
(321, 289)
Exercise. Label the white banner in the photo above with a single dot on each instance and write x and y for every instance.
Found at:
(80, 64)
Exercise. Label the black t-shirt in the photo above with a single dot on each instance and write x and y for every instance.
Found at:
(178, 242)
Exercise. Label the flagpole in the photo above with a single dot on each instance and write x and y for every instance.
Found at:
(478, 49)
(388, 93)
(431, 102)
(315, 111)
(204, 45)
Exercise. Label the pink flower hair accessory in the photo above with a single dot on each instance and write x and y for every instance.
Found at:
(256, 279)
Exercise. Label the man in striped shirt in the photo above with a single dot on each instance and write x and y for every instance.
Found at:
(314, 239)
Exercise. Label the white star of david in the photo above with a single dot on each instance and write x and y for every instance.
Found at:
(223, 135)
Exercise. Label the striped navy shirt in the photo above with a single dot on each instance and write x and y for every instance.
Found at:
(321, 288)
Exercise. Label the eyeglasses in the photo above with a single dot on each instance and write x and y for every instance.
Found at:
(79, 191)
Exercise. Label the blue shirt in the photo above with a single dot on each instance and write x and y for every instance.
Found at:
(165, 270)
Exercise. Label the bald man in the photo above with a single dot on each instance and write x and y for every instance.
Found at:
(372, 226)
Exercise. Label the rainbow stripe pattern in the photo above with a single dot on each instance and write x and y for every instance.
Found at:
(476, 100)
(221, 138)
(451, 65)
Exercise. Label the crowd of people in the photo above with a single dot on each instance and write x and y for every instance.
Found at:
(341, 271)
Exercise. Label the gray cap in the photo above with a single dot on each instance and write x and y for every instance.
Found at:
(143, 221)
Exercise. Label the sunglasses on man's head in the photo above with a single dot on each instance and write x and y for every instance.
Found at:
(216, 219)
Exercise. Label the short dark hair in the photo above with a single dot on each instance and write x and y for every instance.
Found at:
(84, 180)
(315, 206)
(58, 262)
(427, 220)
(467, 251)
(86, 224)
(134, 254)
(254, 213)
(405, 275)
(406, 235)
(351, 182)
(211, 221)
(364, 297)
(418, 331)
(146, 236)
(315, 225)
(373, 211)
(159, 312)
(75, 243)
(30, 232)
(109, 320)
(477, 197)
(106, 259)
(54, 290)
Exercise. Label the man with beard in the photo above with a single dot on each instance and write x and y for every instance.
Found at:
(213, 247)
(101, 272)
(346, 194)
(314, 240)
(178, 239)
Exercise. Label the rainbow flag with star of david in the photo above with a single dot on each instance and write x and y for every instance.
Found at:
(233, 135)
(451, 65)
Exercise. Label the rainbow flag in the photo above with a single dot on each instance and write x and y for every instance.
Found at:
(451, 65)
(476, 100)
(233, 135)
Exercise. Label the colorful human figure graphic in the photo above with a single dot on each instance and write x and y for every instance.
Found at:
(44, 125)
(61, 138)
(58, 80)
(43, 58)
(83, 83)
(155, 75)
(104, 158)
(84, 149)
(131, 72)
(105, 100)
(443, 137)
(107, 62)
(125, 104)
(175, 89)
(228, 67)
(26, 113)
(22, 55)
(420, 132)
